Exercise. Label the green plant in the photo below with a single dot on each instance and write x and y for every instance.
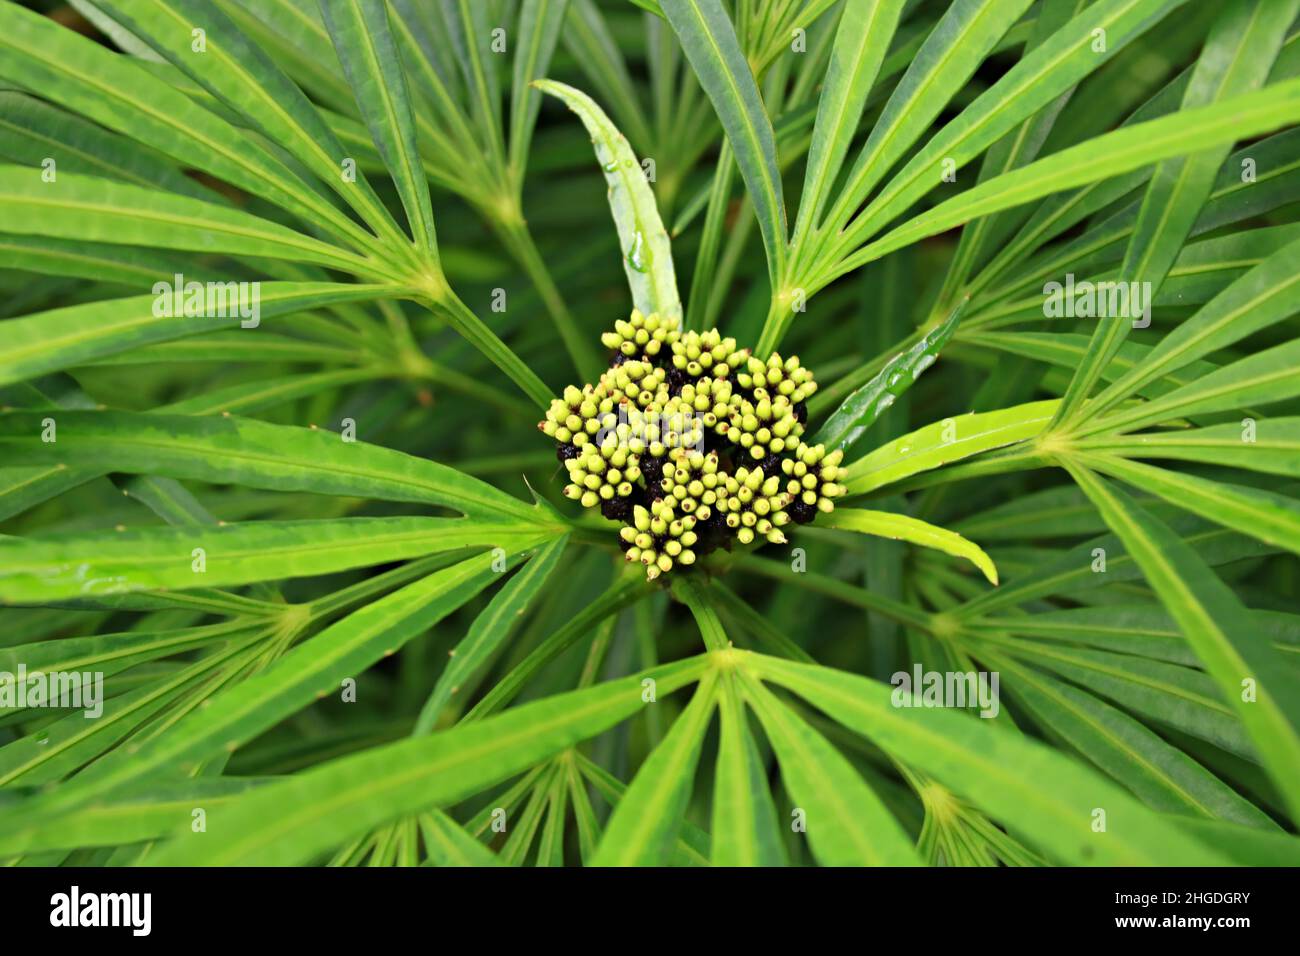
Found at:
(281, 510)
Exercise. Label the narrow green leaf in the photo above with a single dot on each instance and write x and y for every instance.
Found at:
(1264, 377)
(590, 42)
(1069, 571)
(247, 397)
(126, 41)
(292, 34)
(1144, 630)
(859, 411)
(492, 626)
(692, 845)
(121, 94)
(1162, 776)
(584, 815)
(1108, 155)
(1273, 447)
(648, 258)
(1016, 148)
(962, 38)
(947, 441)
(1066, 349)
(88, 208)
(862, 38)
(1170, 694)
(913, 530)
(1266, 515)
(449, 845)
(71, 742)
(847, 824)
(1231, 201)
(1244, 845)
(116, 651)
(23, 488)
(244, 77)
(1262, 297)
(241, 451)
(1061, 61)
(364, 43)
(39, 570)
(644, 825)
(1033, 789)
(1214, 621)
(36, 130)
(470, 30)
(622, 592)
(294, 820)
(539, 30)
(744, 826)
(77, 334)
(1238, 53)
(130, 266)
(709, 39)
(165, 810)
(241, 712)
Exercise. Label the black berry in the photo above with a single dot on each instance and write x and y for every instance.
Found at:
(616, 508)
(801, 511)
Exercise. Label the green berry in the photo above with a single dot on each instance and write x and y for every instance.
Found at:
(636, 443)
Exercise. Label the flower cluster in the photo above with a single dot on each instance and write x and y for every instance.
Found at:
(692, 443)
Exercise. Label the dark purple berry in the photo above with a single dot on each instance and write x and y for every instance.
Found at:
(616, 508)
(728, 454)
(801, 511)
(710, 535)
(652, 469)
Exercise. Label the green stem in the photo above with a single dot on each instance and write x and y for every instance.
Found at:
(774, 326)
(726, 269)
(831, 396)
(824, 584)
(740, 612)
(354, 594)
(714, 221)
(690, 592)
(616, 597)
(445, 303)
(471, 387)
(519, 241)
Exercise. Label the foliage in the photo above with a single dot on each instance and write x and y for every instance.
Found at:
(323, 560)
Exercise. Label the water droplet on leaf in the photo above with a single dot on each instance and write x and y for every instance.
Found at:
(636, 255)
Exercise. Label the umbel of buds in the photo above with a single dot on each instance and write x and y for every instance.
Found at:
(692, 444)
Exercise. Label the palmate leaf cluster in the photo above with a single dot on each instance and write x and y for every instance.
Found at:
(342, 608)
